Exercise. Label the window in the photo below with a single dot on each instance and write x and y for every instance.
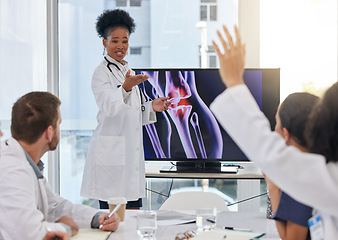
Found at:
(136, 50)
(121, 3)
(208, 10)
(170, 41)
(23, 58)
(78, 108)
(23, 55)
(204, 13)
(213, 13)
(128, 3)
(309, 24)
(135, 3)
(211, 57)
(213, 61)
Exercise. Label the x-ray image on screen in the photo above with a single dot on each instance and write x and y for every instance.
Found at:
(188, 129)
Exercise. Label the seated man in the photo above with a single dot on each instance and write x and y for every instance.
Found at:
(28, 206)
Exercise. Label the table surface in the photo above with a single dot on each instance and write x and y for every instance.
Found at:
(255, 221)
(249, 171)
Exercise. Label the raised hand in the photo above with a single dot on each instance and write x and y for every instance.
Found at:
(232, 59)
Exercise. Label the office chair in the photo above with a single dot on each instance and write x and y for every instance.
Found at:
(192, 200)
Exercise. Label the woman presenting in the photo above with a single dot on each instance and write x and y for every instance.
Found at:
(115, 160)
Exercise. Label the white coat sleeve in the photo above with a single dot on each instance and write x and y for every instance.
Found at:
(59, 207)
(108, 95)
(20, 219)
(304, 176)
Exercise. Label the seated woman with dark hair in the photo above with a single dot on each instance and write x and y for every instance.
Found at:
(292, 216)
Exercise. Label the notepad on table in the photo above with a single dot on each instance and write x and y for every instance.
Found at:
(90, 234)
(228, 235)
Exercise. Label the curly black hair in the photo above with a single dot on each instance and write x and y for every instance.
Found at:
(114, 18)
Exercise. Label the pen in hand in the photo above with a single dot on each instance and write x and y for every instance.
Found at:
(112, 212)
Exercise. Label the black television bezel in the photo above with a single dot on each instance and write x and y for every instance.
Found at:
(270, 103)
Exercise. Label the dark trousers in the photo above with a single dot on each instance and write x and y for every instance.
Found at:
(130, 204)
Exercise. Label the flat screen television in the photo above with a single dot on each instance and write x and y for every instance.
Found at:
(188, 133)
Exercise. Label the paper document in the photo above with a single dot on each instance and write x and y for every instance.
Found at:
(166, 218)
(227, 234)
(229, 169)
(90, 234)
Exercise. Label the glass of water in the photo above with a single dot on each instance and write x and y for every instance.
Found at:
(205, 218)
(146, 224)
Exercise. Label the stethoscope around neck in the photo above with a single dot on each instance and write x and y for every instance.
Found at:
(115, 65)
(111, 63)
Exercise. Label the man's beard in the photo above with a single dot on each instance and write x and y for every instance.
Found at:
(54, 143)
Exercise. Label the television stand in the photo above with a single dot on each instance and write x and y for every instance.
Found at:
(199, 167)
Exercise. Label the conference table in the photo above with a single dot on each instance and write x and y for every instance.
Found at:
(254, 221)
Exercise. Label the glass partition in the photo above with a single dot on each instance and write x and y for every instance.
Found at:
(23, 58)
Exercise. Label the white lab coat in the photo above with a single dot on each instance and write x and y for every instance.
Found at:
(304, 176)
(28, 206)
(115, 159)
